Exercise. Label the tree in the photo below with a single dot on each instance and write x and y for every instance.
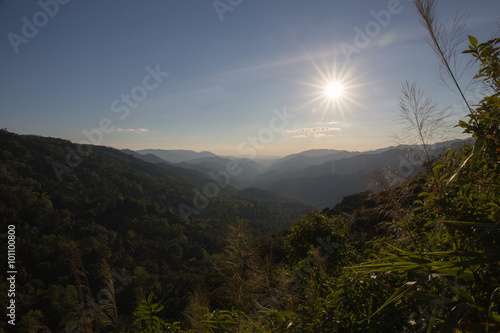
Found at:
(317, 233)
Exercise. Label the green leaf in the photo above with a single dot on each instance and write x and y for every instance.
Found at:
(436, 170)
(473, 224)
(473, 41)
(455, 317)
(458, 290)
(458, 171)
(478, 146)
(402, 292)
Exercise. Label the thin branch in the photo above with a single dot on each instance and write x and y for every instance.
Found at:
(437, 32)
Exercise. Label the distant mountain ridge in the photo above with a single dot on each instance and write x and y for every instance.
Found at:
(321, 177)
(151, 158)
(176, 156)
(309, 158)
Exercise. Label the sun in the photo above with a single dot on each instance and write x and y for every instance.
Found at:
(334, 90)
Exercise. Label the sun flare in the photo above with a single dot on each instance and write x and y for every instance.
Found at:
(334, 90)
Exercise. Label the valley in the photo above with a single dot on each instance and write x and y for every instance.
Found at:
(317, 177)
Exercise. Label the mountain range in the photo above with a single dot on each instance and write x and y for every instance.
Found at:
(320, 177)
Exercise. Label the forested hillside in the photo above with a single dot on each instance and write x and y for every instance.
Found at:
(112, 214)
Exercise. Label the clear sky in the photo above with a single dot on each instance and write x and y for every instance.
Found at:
(247, 75)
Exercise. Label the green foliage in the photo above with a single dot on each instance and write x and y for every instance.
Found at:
(453, 262)
(147, 318)
(267, 320)
(328, 235)
(120, 209)
(347, 303)
(484, 124)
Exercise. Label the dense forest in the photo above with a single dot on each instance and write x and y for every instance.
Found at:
(106, 249)
(117, 215)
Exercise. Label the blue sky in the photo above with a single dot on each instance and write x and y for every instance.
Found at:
(227, 79)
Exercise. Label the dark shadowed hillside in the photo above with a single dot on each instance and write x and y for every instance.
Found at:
(113, 210)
